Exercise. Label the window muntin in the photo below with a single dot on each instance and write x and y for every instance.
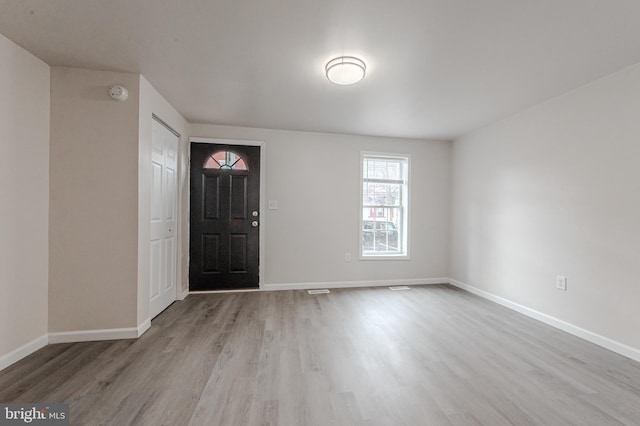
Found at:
(384, 224)
(225, 160)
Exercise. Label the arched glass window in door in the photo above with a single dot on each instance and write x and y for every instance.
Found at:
(225, 160)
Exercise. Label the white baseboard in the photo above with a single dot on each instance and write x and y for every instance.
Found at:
(72, 337)
(587, 335)
(146, 324)
(103, 334)
(23, 351)
(350, 284)
(183, 294)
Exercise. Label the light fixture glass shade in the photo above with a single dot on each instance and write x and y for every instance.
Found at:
(345, 70)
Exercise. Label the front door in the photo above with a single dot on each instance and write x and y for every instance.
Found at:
(225, 217)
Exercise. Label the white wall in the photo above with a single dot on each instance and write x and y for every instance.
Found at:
(151, 102)
(552, 191)
(94, 202)
(315, 179)
(24, 199)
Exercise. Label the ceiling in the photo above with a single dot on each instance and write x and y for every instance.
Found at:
(435, 68)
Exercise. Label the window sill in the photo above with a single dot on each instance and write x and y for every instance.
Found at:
(385, 257)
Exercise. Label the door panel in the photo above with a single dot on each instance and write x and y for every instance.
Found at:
(156, 268)
(170, 256)
(211, 192)
(238, 253)
(210, 253)
(224, 247)
(156, 192)
(238, 197)
(170, 198)
(163, 246)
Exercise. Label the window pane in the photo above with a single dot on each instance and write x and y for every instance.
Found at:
(225, 160)
(211, 164)
(382, 169)
(220, 157)
(380, 228)
(381, 194)
(240, 165)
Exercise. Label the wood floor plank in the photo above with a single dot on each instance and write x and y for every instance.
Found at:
(433, 355)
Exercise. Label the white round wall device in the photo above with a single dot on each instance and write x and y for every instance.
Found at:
(118, 92)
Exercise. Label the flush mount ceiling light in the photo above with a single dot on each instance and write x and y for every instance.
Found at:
(345, 70)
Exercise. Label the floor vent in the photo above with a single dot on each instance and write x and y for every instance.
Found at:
(399, 287)
(322, 291)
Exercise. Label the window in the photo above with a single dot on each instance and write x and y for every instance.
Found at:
(385, 201)
(225, 160)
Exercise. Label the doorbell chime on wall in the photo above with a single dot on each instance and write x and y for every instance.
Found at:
(118, 92)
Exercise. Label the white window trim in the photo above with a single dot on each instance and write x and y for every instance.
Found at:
(406, 210)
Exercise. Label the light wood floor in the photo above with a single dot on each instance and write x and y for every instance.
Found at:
(433, 355)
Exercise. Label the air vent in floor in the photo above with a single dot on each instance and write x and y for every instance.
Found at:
(322, 291)
(399, 287)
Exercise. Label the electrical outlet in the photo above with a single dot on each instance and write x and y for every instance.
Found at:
(561, 283)
(347, 257)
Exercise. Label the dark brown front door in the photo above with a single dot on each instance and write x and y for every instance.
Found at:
(225, 216)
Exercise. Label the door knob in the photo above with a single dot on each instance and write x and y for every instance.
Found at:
(255, 223)
(254, 213)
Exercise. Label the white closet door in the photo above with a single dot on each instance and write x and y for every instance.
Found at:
(164, 160)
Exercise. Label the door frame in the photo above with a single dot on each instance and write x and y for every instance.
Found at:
(261, 250)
